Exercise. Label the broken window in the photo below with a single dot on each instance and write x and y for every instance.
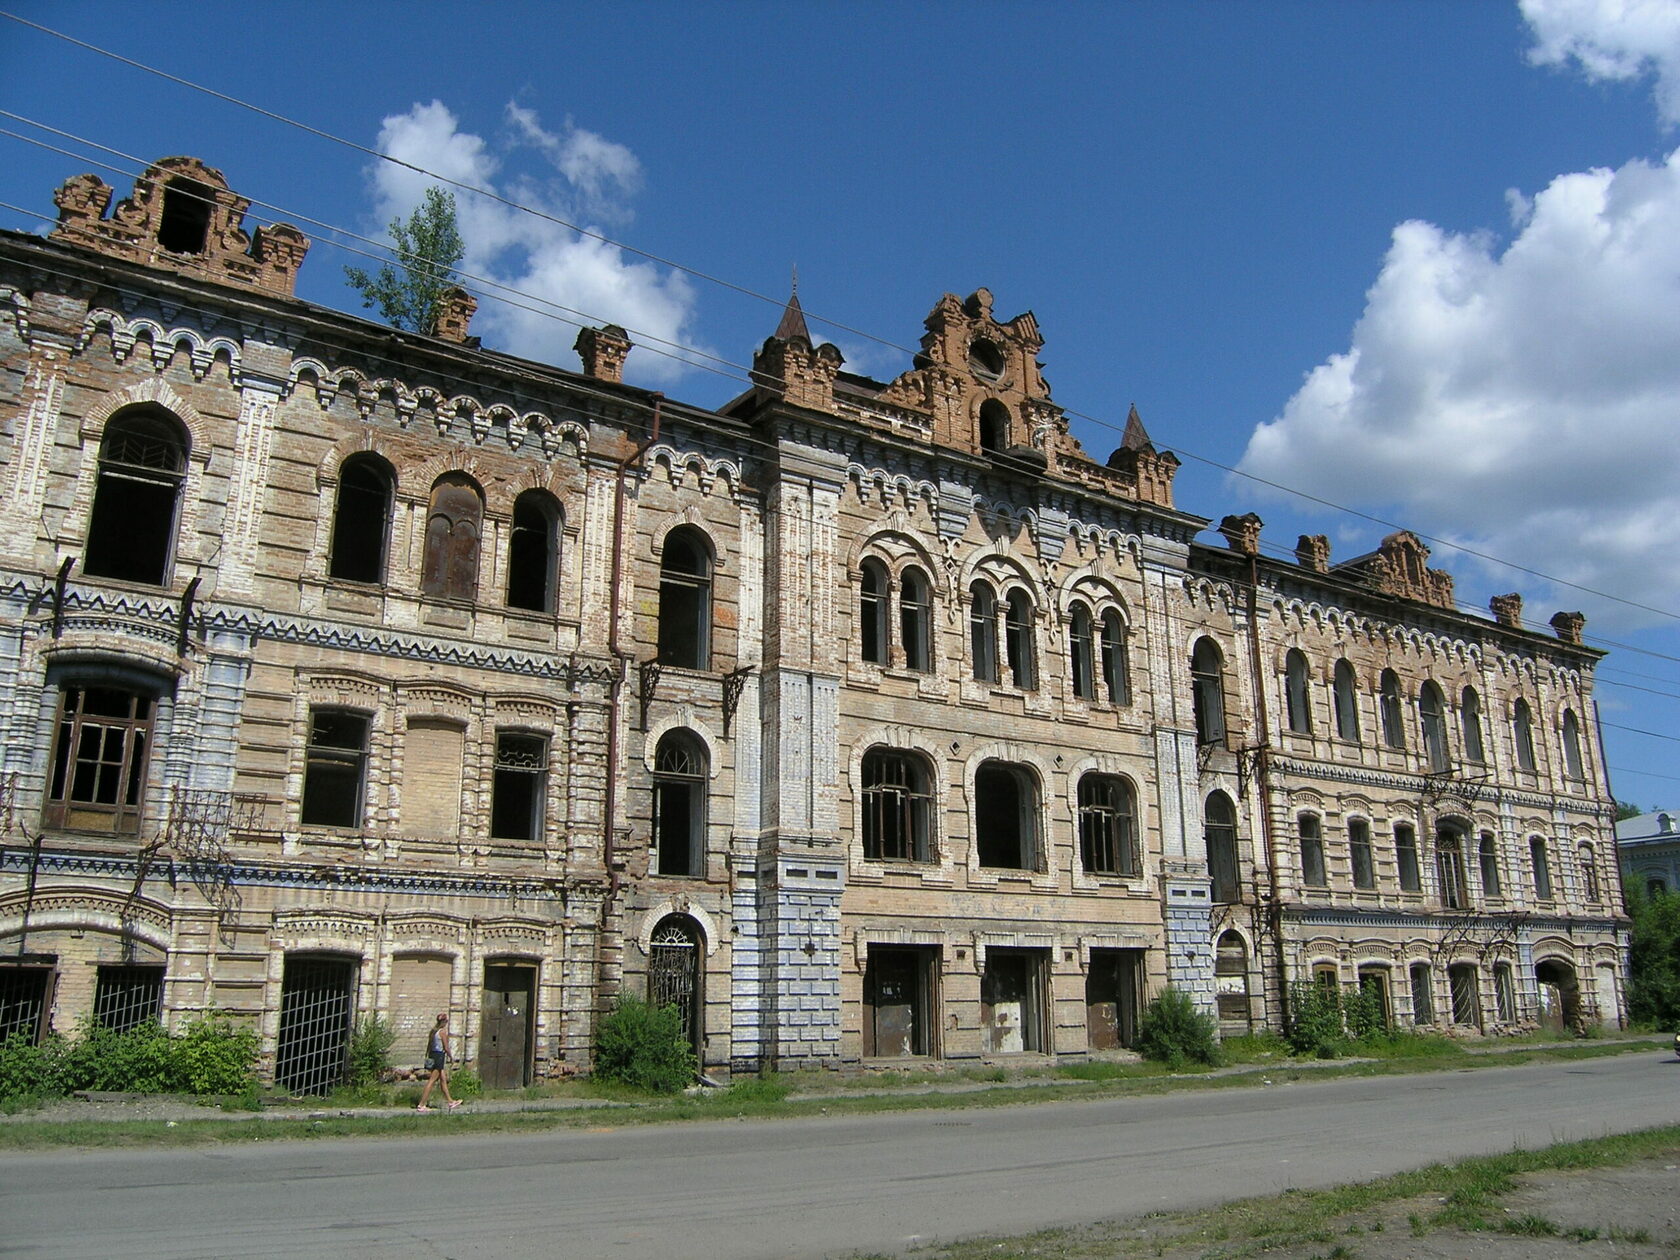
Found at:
(534, 552)
(1018, 634)
(1449, 867)
(1012, 1001)
(1464, 985)
(136, 498)
(1082, 656)
(1432, 712)
(1107, 826)
(1347, 702)
(100, 758)
(685, 600)
(361, 520)
(1573, 766)
(1312, 851)
(1006, 816)
(915, 620)
(1470, 717)
(1219, 829)
(899, 1002)
(184, 225)
(872, 611)
(982, 632)
(1359, 853)
(127, 997)
(680, 768)
(1489, 861)
(1297, 705)
(24, 1002)
(897, 807)
(1522, 729)
(1374, 986)
(1542, 868)
(1406, 858)
(454, 525)
(1589, 872)
(1423, 995)
(335, 768)
(1116, 671)
(1393, 716)
(1207, 682)
(1113, 986)
(994, 426)
(516, 786)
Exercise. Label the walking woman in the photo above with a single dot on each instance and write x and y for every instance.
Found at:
(437, 1060)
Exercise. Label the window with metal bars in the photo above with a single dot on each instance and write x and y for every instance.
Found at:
(23, 1002)
(136, 497)
(126, 997)
(1423, 995)
(897, 807)
(1449, 868)
(99, 759)
(516, 786)
(315, 1010)
(1107, 826)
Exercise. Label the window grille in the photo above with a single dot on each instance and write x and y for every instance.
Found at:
(309, 1056)
(23, 1002)
(896, 808)
(124, 998)
(1107, 829)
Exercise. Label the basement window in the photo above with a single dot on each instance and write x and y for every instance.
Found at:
(125, 998)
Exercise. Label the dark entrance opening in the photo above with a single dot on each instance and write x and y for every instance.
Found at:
(674, 972)
(1112, 987)
(898, 1002)
(504, 1049)
(1560, 996)
(1012, 995)
(315, 1006)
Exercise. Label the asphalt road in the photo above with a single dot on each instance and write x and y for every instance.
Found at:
(800, 1188)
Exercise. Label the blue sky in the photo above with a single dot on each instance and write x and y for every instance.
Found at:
(1418, 259)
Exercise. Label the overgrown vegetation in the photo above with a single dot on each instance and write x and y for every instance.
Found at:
(369, 1057)
(1328, 1021)
(1173, 1031)
(210, 1056)
(645, 1047)
(428, 246)
(1654, 959)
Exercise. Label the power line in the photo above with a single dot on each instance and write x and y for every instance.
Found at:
(1634, 730)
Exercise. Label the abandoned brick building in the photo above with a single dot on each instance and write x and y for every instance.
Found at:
(354, 672)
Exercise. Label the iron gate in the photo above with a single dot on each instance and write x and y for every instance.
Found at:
(314, 1024)
(673, 968)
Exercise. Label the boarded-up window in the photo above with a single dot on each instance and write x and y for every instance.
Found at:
(454, 523)
(431, 785)
(419, 993)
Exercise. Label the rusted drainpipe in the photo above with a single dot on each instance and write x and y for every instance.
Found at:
(1262, 778)
(620, 658)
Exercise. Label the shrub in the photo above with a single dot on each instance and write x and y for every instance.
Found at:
(465, 1083)
(212, 1056)
(370, 1052)
(1315, 1020)
(215, 1056)
(1363, 1012)
(32, 1071)
(644, 1046)
(1174, 1032)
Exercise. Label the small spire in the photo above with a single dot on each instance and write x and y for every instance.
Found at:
(793, 318)
(1136, 437)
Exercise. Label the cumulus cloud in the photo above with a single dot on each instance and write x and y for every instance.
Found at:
(1612, 40)
(1524, 401)
(580, 177)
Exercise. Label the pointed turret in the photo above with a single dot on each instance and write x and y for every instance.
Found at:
(788, 365)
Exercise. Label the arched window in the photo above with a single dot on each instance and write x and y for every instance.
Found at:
(982, 632)
(1207, 682)
(1522, 730)
(1488, 854)
(1573, 766)
(679, 804)
(1116, 670)
(1432, 710)
(454, 525)
(872, 611)
(1542, 868)
(1589, 871)
(1313, 873)
(1082, 652)
(1449, 867)
(897, 807)
(1406, 857)
(1006, 816)
(1018, 635)
(1470, 717)
(1359, 854)
(685, 600)
(136, 499)
(533, 552)
(1347, 702)
(361, 520)
(1298, 708)
(1219, 829)
(674, 974)
(1393, 716)
(1107, 826)
(994, 426)
(915, 619)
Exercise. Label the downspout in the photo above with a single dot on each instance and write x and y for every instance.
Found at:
(1263, 780)
(620, 657)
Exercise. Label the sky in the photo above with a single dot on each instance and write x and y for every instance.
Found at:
(1419, 261)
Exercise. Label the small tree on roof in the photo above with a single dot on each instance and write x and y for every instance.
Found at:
(427, 245)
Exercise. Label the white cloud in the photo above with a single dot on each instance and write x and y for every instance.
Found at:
(585, 179)
(1612, 40)
(1523, 402)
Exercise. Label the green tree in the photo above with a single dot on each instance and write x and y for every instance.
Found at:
(427, 245)
(1626, 810)
(1654, 959)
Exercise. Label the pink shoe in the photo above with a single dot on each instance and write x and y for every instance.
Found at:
(423, 1107)
(454, 1104)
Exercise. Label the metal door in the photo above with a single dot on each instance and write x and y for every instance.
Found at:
(674, 971)
(1011, 1000)
(896, 1025)
(314, 1023)
(1111, 998)
(504, 1052)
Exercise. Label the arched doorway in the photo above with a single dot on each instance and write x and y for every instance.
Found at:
(674, 972)
(1560, 995)
(1230, 978)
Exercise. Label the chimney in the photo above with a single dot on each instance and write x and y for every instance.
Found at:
(453, 314)
(602, 352)
(1569, 626)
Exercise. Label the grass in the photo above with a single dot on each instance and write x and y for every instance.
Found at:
(1259, 1060)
